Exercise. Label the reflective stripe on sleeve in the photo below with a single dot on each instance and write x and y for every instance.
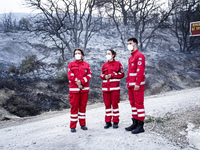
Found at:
(89, 75)
(132, 74)
(104, 89)
(117, 88)
(86, 88)
(74, 89)
(85, 79)
(133, 83)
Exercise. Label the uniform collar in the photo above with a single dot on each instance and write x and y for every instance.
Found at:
(78, 61)
(134, 52)
(111, 61)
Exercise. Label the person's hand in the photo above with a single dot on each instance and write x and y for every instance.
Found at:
(137, 87)
(109, 76)
(80, 86)
(78, 82)
(106, 77)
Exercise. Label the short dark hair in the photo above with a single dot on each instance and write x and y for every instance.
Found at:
(78, 49)
(113, 52)
(134, 40)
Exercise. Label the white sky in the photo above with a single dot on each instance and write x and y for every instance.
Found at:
(7, 6)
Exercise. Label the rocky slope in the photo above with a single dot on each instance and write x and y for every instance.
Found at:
(166, 70)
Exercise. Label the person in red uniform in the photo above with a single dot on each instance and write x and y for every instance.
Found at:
(136, 86)
(79, 75)
(111, 73)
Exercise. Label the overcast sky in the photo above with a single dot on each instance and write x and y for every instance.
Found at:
(13, 6)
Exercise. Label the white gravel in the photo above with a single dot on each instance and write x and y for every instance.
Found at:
(51, 131)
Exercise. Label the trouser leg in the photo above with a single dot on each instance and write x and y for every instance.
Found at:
(132, 103)
(82, 108)
(108, 109)
(74, 101)
(139, 104)
(115, 97)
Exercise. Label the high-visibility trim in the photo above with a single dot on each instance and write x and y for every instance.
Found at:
(74, 115)
(140, 110)
(133, 83)
(74, 89)
(73, 119)
(132, 74)
(81, 113)
(114, 110)
(141, 115)
(86, 88)
(114, 80)
(89, 75)
(81, 117)
(108, 110)
(134, 113)
(72, 74)
(117, 88)
(134, 108)
(104, 89)
(111, 80)
(116, 114)
(85, 79)
(108, 114)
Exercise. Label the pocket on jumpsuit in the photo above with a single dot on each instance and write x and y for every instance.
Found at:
(71, 99)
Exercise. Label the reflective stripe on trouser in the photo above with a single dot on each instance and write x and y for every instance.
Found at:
(78, 108)
(111, 100)
(136, 99)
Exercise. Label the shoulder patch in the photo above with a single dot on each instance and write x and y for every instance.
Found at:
(139, 63)
(140, 58)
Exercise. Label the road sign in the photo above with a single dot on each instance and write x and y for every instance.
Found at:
(195, 28)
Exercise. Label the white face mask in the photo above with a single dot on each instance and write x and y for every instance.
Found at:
(130, 47)
(109, 57)
(78, 57)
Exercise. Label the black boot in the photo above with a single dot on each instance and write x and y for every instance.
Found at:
(133, 126)
(108, 125)
(84, 127)
(115, 125)
(139, 128)
(73, 130)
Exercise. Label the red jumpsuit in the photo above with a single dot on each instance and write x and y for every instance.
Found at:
(78, 97)
(111, 89)
(136, 76)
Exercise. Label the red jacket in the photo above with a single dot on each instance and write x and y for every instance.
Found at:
(136, 69)
(117, 72)
(79, 71)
